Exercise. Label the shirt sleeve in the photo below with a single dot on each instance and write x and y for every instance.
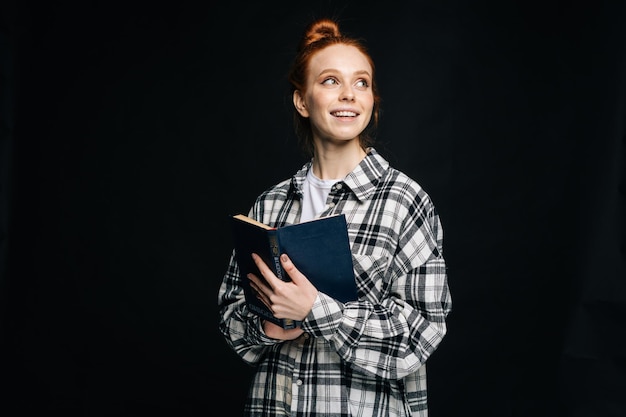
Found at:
(241, 328)
(393, 329)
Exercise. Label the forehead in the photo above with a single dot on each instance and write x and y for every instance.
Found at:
(344, 58)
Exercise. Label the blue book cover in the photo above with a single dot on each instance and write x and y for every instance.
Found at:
(319, 248)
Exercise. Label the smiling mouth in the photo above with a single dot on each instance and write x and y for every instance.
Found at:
(344, 114)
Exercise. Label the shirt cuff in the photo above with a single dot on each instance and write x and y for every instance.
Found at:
(325, 316)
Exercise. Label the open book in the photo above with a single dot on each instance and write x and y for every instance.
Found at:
(319, 248)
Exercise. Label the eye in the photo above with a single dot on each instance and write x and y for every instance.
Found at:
(362, 83)
(329, 81)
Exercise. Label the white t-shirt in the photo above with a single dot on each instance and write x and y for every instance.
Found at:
(315, 192)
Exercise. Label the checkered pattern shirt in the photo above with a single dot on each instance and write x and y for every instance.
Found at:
(360, 358)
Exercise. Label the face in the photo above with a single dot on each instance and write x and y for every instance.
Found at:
(339, 99)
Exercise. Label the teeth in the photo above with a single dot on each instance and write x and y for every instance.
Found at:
(345, 114)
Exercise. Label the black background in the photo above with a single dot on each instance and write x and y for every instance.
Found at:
(130, 132)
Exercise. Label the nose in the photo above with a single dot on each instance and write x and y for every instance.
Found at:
(347, 94)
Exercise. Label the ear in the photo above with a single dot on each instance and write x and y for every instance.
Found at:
(298, 103)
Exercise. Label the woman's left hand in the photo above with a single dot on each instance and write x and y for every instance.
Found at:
(287, 299)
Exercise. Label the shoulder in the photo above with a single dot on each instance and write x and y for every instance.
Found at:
(376, 179)
(401, 186)
(274, 193)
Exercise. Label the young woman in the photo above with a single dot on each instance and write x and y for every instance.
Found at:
(361, 358)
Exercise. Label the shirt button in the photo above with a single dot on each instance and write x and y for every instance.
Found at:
(338, 186)
(331, 205)
(299, 382)
(305, 335)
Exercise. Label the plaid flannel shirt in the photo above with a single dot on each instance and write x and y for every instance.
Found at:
(361, 358)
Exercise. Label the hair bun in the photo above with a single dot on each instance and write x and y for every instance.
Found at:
(320, 29)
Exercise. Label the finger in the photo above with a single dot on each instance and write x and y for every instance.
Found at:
(259, 283)
(262, 292)
(259, 286)
(265, 301)
(267, 273)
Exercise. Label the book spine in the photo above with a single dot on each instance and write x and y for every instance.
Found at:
(275, 250)
(278, 270)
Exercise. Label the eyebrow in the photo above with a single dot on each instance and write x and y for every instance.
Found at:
(360, 72)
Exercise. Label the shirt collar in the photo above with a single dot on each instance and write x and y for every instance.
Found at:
(362, 180)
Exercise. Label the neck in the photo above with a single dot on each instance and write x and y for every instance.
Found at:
(336, 162)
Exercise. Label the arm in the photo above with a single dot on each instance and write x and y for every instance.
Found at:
(400, 318)
(241, 328)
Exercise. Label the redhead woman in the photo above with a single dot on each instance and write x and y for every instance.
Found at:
(365, 357)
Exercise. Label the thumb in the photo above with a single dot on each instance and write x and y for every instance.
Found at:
(293, 272)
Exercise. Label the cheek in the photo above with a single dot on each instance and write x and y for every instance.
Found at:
(316, 108)
(369, 106)
(317, 100)
(367, 101)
